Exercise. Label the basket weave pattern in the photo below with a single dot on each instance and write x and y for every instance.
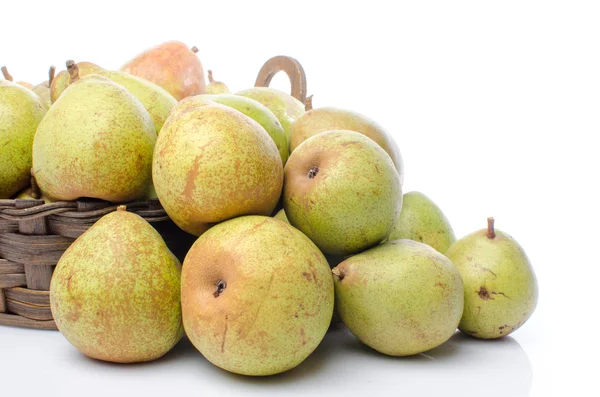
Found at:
(34, 235)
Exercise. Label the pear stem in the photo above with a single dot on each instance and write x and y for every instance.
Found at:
(73, 70)
(7, 75)
(210, 77)
(308, 103)
(51, 74)
(122, 208)
(337, 273)
(491, 233)
(194, 49)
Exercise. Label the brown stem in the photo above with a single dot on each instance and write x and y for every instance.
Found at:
(210, 77)
(308, 103)
(122, 208)
(491, 233)
(194, 49)
(7, 75)
(338, 273)
(51, 74)
(73, 70)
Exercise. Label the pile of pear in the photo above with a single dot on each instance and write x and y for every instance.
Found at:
(298, 213)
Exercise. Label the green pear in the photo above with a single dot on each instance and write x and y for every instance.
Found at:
(323, 119)
(115, 293)
(260, 114)
(21, 111)
(422, 220)
(96, 141)
(400, 298)
(281, 216)
(341, 189)
(63, 79)
(284, 106)
(216, 87)
(257, 296)
(213, 163)
(501, 290)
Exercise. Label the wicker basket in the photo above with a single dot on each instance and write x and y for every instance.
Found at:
(34, 235)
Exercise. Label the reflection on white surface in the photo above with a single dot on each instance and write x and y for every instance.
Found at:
(340, 366)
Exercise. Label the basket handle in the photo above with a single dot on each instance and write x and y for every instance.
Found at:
(291, 67)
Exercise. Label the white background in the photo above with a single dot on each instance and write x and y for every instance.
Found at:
(495, 107)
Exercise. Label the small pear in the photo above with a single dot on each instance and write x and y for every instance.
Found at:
(216, 87)
(318, 120)
(171, 65)
(422, 220)
(257, 296)
(21, 111)
(96, 141)
(341, 189)
(400, 298)
(259, 113)
(501, 290)
(213, 163)
(62, 80)
(284, 106)
(115, 293)
(43, 89)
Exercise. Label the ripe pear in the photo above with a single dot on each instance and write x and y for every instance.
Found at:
(322, 119)
(422, 220)
(259, 113)
(284, 106)
(115, 293)
(21, 111)
(43, 89)
(216, 87)
(213, 163)
(96, 141)
(62, 80)
(171, 65)
(501, 290)
(341, 189)
(400, 298)
(257, 296)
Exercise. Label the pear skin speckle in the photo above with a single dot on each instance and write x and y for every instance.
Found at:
(400, 298)
(115, 293)
(257, 296)
(501, 290)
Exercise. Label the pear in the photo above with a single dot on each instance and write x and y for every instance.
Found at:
(115, 293)
(216, 87)
(501, 290)
(341, 189)
(171, 65)
(281, 216)
(213, 163)
(285, 107)
(61, 81)
(422, 220)
(8, 77)
(43, 89)
(257, 296)
(322, 119)
(259, 113)
(21, 111)
(96, 141)
(400, 298)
